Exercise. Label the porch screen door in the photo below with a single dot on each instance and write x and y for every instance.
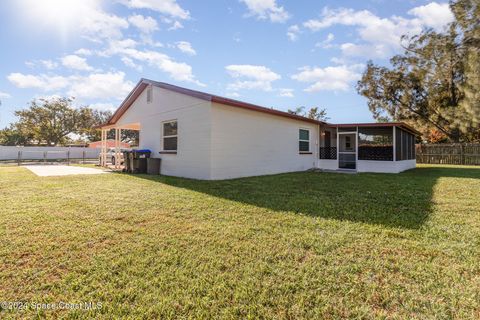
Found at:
(347, 150)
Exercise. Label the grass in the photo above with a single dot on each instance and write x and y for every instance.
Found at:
(300, 245)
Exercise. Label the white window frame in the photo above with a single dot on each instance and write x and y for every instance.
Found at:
(149, 94)
(170, 136)
(302, 140)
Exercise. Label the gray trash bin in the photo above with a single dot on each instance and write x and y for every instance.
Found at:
(153, 165)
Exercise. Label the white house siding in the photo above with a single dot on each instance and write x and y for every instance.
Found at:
(249, 143)
(328, 164)
(406, 165)
(193, 115)
(385, 166)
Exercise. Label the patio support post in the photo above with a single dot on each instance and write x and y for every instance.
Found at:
(103, 152)
(117, 148)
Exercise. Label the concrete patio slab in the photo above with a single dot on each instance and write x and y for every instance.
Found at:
(60, 170)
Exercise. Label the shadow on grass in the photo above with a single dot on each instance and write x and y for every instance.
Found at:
(395, 200)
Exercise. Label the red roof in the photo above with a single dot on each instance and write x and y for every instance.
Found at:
(143, 83)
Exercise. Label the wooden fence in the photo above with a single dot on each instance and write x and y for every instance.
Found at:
(459, 153)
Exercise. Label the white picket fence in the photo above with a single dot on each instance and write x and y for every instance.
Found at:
(21, 155)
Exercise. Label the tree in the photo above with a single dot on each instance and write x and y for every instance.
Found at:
(50, 121)
(92, 119)
(427, 85)
(55, 121)
(12, 137)
(298, 111)
(313, 113)
(318, 114)
(467, 13)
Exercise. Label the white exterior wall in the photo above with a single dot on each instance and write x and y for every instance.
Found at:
(372, 165)
(250, 143)
(406, 165)
(194, 123)
(385, 166)
(328, 164)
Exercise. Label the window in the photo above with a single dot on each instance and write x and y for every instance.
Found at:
(170, 136)
(149, 94)
(304, 140)
(375, 143)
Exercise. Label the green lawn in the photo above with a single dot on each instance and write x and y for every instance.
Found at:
(301, 245)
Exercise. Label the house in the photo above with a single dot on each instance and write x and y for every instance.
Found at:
(203, 136)
(110, 144)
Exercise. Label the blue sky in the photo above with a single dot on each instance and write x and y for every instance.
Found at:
(275, 53)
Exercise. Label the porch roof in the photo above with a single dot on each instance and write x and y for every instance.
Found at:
(401, 125)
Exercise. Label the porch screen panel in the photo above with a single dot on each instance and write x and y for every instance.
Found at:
(398, 144)
(404, 145)
(411, 146)
(375, 143)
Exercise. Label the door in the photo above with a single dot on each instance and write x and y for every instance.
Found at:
(347, 156)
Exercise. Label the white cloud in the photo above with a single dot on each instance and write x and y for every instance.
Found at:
(93, 86)
(336, 78)
(337, 60)
(186, 47)
(101, 86)
(285, 92)
(267, 9)
(75, 62)
(4, 95)
(97, 25)
(167, 7)
(381, 35)
(126, 48)
(49, 64)
(101, 106)
(129, 63)
(179, 71)
(233, 94)
(292, 32)
(84, 52)
(327, 43)
(175, 26)
(43, 82)
(433, 15)
(251, 77)
(118, 47)
(371, 51)
(144, 24)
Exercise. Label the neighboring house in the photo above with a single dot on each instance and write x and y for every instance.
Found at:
(203, 136)
(110, 144)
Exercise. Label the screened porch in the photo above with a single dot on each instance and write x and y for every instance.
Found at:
(372, 147)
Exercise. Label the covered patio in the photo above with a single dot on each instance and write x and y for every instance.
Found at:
(105, 129)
